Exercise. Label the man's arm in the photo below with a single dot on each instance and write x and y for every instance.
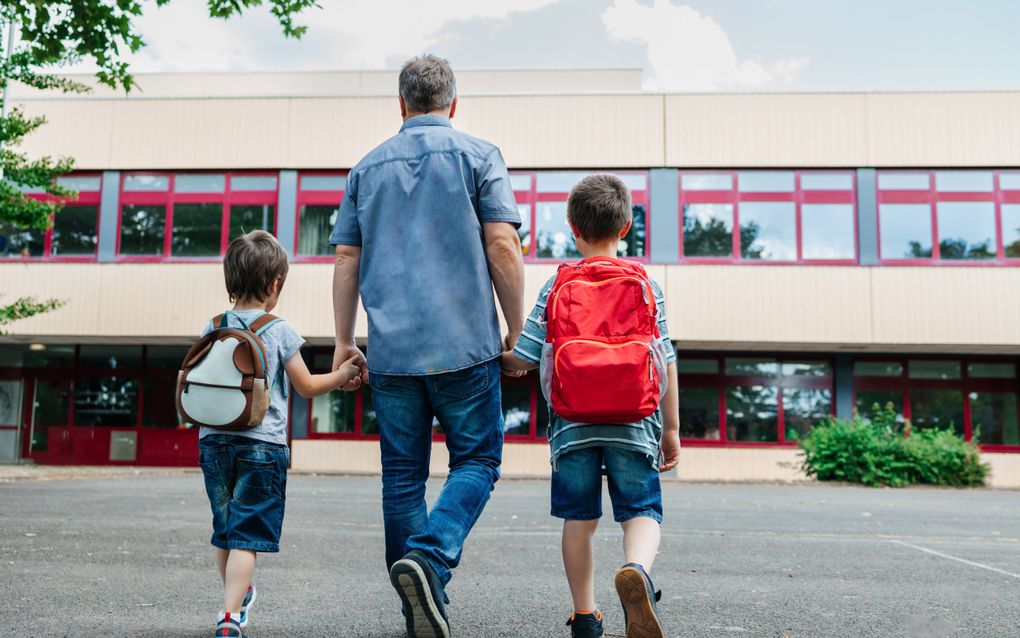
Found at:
(346, 273)
(506, 266)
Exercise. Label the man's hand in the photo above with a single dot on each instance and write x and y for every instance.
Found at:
(341, 354)
(508, 347)
(670, 450)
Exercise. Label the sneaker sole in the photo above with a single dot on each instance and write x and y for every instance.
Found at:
(425, 621)
(637, 605)
(245, 616)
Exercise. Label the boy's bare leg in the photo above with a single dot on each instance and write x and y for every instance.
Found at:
(221, 563)
(579, 562)
(641, 537)
(240, 568)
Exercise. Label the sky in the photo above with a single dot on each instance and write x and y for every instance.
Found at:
(680, 45)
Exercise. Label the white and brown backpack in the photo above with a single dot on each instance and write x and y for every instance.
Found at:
(223, 382)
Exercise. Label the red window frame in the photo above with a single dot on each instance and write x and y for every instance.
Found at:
(315, 198)
(638, 198)
(227, 198)
(85, 198)
(720, 381)
(932, 197)
(965, 385)
(734, 196)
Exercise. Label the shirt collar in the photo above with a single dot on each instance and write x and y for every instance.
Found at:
(426, 120)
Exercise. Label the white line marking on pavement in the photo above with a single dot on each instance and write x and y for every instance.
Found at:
(957, 559)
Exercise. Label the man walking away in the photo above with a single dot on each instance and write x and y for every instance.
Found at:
(427, 229)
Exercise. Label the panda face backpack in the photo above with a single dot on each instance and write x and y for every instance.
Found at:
(223, 382)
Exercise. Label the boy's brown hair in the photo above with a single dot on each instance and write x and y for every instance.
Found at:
(599, 207)
(252, 263)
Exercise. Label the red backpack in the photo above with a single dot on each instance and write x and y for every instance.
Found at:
(603, 361)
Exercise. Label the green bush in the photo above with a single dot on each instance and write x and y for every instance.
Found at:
(882, 452)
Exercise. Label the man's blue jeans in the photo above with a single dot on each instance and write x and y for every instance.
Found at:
(467, 404)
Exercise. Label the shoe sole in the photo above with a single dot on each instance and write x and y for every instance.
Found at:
(245, 617)
(424, 621)
(638, 608)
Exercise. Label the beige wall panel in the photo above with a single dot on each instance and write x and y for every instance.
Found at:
(332, 133)
(739, 464)
(946, 305)
(600, 131)
(82, 130)
(741, 130)
(1005, 470)
(943, 129)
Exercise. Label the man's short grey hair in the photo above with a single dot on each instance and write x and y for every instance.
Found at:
(427, 84)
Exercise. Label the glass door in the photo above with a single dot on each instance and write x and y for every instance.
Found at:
(46, 433)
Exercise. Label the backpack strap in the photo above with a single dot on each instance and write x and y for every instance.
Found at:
(263, 323)
(219, 321)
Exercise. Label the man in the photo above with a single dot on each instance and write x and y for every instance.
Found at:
(428, 227)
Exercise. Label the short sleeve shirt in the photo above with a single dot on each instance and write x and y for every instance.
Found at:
(282, 342)
(416, 205)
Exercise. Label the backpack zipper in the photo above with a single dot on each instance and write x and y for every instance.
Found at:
(644, 291)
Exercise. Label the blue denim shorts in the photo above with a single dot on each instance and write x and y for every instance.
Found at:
(246, 481)
(633, 485)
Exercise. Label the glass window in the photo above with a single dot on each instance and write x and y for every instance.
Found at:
(199, 183)
(633, 244)
(991, 370)
(826, 181)
(904, 181)
(159, 409)
(49, 356)
(803, 409)
(333, 413)
(563, 181)
(50, 408)
(141, 229)
(10, 402)
(253, 183)
(934, 369)
(806, 369)
(86, 184)
(937, 408)
(765, 182)
(323, 182)
(110, 402)
(19, 242)
(708, 230)
(542, 417)
(706, 182)
(170, 357)
(74, 231)
(369, 421)
(871, 401)
(517, 409)
(827, 231)
(752, 413)
(244, 219)
(524, 232)
(699, 413)
(905, 231)
(555, 240)
(993, 417)
(697, 366)
(316, 225)
(520, 182)
(752, 367)
(878, 369)
(768, 231)
(146, 183)
(116, 357)
(1011, 230)
(966, 230)
(196, 230)
(964, 181)
(1009, 181)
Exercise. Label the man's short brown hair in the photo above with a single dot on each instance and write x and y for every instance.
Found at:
(599, 207)
(252, 263)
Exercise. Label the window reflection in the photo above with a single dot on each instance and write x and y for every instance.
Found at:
(708, 230)
(869, 402)
(74, 231)
(828, 231)
(699, 413)
(19, 242)
(555, 240)
(993, 417)
(768, 231)
(244, 219)
(905, 231)
(196, 230)
(333, 413)
(524, 232)
(937, 408)
(141, 229)
(1011, 230)
(752, 413)
(106, 402)
(516, 409)
(803, 409)
(966, 230)
(316, 225)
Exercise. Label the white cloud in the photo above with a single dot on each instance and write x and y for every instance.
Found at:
(689, 51)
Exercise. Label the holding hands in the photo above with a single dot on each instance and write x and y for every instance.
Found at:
(347, 357)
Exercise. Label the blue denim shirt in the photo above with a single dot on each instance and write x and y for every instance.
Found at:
(416, 205)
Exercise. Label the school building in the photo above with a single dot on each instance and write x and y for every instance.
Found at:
(821, 253)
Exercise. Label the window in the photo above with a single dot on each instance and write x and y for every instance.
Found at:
(550, 235)
(319, 197)
(752, 399)
(769, 216)
(950, 216)
(192, 215)
(517, 408)
(74, 233)
(977, 399)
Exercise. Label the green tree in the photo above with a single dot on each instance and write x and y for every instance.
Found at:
(51, 34)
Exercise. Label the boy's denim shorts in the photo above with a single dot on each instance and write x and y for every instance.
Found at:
(633, 485)
(246, 481)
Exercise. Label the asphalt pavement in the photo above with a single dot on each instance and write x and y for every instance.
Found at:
(128, 555)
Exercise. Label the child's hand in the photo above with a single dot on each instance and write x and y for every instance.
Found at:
(507, 361)
(670, 450)
(349, 369)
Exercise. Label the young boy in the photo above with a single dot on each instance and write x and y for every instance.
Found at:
(599, 213)
(246, 471)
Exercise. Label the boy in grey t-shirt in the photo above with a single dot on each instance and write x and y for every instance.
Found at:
(246, 472)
